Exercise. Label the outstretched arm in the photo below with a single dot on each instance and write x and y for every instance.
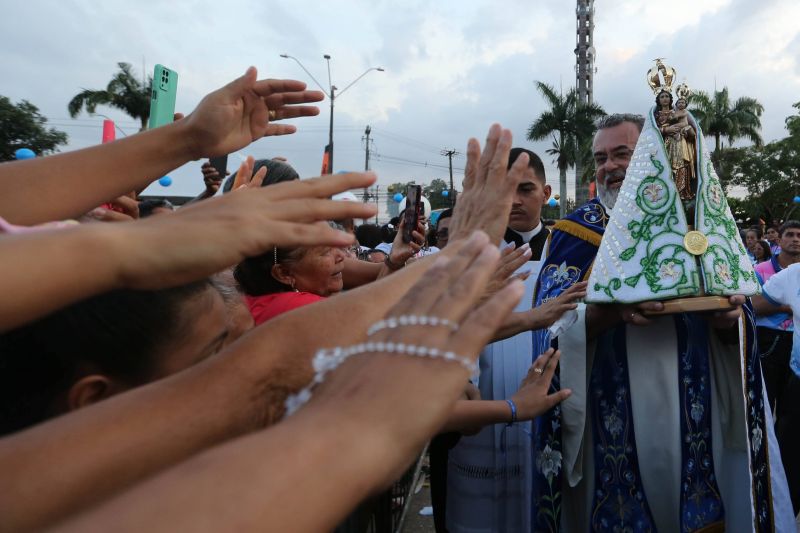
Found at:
(274, 475)
(236, 392)
(530, 400)
(44, 271)
(68, 185)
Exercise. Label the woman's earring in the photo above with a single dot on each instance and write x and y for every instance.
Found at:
(295, 290)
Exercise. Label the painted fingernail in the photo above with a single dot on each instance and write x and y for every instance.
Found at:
(98, 212)
(508, 246)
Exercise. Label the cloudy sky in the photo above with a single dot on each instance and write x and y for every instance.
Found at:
(452, 68)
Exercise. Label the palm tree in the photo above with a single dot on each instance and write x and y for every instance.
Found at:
(570, 122)
(719, 118)
(793, 122)
(124, 91)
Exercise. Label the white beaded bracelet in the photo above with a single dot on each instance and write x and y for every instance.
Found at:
(410, 320)
(326, 361)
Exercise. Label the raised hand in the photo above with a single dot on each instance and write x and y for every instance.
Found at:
(420, 391)
(211, 179)
(245, 110)
(547, 313)
(532, 399)
(206, 237)
(245, 177)
(121, 209)
(488, 187)
(403, 251)
(511, 259)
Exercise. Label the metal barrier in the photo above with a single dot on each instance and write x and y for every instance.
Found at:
(386, 512)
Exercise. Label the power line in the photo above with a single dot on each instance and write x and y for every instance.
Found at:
(391, 158)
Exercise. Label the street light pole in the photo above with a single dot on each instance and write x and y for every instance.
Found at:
(331, 92)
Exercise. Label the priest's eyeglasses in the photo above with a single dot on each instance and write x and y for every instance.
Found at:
(619, 156)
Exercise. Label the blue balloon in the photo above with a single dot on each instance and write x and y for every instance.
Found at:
(24, 153)
(397, 197)
(166, 181)
(445, 193)
(797, 199)
(552, 202)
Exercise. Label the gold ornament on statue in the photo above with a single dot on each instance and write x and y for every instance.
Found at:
(660, 77)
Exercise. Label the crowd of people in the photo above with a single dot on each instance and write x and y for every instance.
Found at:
(258, 360)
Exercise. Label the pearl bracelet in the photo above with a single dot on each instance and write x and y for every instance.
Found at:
(326, 361)
(410, 320)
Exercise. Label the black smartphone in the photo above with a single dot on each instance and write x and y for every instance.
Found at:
(221, 164)
(413, 211)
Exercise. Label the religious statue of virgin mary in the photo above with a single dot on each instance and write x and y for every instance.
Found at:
(671, 234)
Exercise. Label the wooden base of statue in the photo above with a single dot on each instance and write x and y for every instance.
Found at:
(694, 304)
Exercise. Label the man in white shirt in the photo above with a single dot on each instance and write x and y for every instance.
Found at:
(489, 476)
(780, 291)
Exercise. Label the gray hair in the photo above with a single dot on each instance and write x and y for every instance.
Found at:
(609, 121)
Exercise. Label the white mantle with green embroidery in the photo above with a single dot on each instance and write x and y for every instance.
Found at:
(642, 255)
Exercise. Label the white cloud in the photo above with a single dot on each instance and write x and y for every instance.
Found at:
(452, 68)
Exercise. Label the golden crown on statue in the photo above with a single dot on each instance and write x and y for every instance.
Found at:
(661, 77)
(683, 91)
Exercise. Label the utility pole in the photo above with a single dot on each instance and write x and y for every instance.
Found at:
(332, 95)
(377, 206)
(449, 154)
(366, 140)
(585, 55)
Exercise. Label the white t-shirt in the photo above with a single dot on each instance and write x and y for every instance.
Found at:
(784, 289)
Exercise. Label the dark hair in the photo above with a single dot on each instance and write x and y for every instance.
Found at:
(447, 213)
(755, 230)
(659, 96)
(369, 235)
(277, 171)
(764, 245)
(610, 121)
(121, 333)
(146, 207)
(389, 230)
(789, 224)
(254, 274)
(534, 162)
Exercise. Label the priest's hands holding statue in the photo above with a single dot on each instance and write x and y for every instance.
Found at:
(671, 244)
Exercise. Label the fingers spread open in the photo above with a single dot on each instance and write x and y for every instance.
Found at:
(464, 294)
(244, 173)
(498, 165)
(550, 366)
(446, 271)
(473, 163)
(258, 178)
(489, 149)
(317, 209)
(282, 113)
(273, 130)
(323, 187)
(480, 325)
(268, 86)
(292, 234)
(274, 101)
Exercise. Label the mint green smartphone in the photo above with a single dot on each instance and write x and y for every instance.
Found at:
(162, 99)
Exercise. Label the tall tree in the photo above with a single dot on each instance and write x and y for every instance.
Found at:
(570, 122)
(793, 122)
(433, 192)
(125, 92)
(22, 126)
(719, 118)
(770, 174)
